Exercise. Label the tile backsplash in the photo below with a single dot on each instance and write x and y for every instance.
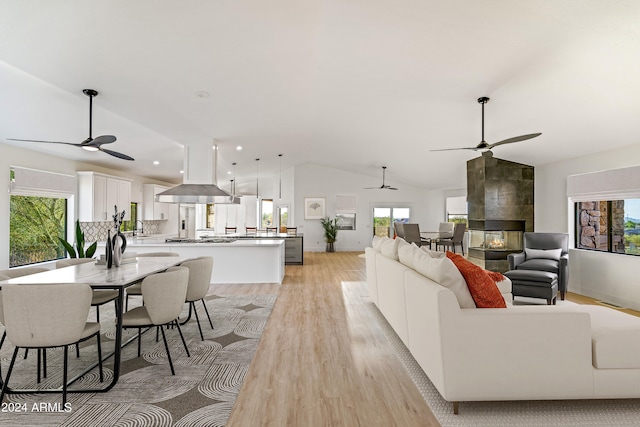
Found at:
(97, 231)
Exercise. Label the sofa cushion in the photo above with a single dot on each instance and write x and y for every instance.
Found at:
(444, 272)
(432, 254)
(543, 253)
(483, 288)
(389, 248)
(615, 338)
(539, 264)
(405, 252)
(377, 242)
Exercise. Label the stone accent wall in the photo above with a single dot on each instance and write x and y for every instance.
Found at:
(593, 226)
(592, 217)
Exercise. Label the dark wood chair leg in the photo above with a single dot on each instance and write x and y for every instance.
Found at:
(456, 408)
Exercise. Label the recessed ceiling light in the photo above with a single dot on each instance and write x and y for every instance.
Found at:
(239, 147)
(182, 172)
(155, 162)
(228, 172)
(202, 94)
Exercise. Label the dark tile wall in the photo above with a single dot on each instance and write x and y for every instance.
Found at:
(500, 190)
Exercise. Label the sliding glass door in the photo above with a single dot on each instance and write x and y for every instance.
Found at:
(385, 217)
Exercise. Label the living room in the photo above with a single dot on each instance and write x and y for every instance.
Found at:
(340, 90)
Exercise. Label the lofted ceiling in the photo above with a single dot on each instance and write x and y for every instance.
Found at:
(351, 84)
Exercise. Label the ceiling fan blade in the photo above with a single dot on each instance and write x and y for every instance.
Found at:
(515, 139)
(47, 142)
(460, 148)
(116, 154)
(390, 188)
(103, 139)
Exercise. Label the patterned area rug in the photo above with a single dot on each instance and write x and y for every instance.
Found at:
(201, 393)
(574, 413)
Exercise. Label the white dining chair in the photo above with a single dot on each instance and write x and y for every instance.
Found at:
(99, 297)
(46, 316)
(199, 283)
(135, 289)
(164, 295)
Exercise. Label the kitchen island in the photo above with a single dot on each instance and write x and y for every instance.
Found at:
(234, 260)
(293, 243)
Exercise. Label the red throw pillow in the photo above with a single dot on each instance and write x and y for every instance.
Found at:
(483, 288)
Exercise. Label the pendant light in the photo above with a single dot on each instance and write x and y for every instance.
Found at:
(257, 188)
(233, 181)
(280, 189)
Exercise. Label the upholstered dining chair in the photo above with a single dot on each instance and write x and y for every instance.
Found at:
(164, 295)
(12, 273)
(230, 230)
(251, 231)
(135, 289)
(544, 252)
(99, 297)
(4, 333)
(456, 239)
(47, 316)
(399, 227)
(272, 229)
(199, 282)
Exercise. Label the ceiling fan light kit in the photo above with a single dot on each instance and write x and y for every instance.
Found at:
(89, 144)
(486, 147)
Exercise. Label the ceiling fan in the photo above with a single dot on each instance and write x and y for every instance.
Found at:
(483, 145)
(383, 186)
(89, 144)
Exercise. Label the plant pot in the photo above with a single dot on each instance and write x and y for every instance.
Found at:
(330, 247)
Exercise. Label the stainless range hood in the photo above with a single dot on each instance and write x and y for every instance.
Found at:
(199, 182)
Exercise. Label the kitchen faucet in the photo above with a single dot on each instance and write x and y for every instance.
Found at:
(135, 230)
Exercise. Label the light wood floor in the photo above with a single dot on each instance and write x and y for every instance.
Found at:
(323, 360)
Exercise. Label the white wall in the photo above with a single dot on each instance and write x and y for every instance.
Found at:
(312, 180)
(14, 156)
(610, 277)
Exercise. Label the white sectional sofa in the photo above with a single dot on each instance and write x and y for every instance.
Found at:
(512, 353)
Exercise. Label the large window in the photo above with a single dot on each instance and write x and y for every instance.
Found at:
(35, 225)
(609, 225)
(266, 213)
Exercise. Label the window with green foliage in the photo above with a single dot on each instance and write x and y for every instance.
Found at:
(131, 224)
(35, 225)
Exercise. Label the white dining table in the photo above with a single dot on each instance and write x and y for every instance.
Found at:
(100, 277)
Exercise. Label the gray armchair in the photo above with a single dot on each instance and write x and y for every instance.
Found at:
(544, 241)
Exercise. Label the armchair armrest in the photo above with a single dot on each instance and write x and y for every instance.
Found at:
(515, 259)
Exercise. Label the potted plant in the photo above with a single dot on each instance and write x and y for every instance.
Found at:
(81, 253)
(330, 232)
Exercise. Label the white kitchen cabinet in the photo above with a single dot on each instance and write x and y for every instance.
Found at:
(153, 210)
(99, 193)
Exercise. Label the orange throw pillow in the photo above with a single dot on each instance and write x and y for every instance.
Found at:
(483, 288)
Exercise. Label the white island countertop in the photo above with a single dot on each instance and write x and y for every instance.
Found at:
(231, 258)
(157, 241)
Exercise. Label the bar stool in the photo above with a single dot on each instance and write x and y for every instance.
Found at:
(292, 231)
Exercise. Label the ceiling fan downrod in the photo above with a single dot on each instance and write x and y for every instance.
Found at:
(483, 100)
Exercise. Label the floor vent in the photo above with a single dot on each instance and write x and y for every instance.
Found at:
(608, 304)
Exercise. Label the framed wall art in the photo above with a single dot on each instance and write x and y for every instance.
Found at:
(314, 207)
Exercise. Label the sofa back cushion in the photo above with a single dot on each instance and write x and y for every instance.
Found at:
(442, 271)
(376, 243)
(389, 248)
(483, 288)
(405, 252)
